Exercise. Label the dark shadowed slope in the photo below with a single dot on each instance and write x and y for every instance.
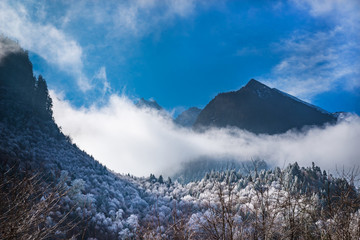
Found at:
(261, 109)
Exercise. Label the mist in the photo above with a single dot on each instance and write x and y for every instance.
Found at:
(7, 47)
(138, 141)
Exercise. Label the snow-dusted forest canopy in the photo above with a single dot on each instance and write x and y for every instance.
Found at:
(85, 200)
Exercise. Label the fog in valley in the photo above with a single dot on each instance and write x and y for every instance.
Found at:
(128, 139)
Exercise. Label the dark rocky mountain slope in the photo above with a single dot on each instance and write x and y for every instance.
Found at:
(261, 109)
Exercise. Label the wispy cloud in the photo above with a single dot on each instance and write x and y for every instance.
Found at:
(246, 51)
(44, 39)
(137, 141)
(336, 9)
(317, 62)
(50, 33)
(133, 18)
(141, 17)
(101, 76)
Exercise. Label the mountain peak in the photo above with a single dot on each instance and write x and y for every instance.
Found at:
(142, 103)
(261, 109)
(258, 88)
(254, 84)
(21, 92)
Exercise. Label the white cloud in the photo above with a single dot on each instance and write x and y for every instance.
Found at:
(138, 141)
(335, 8)
(43, 27)
(138, 18)
(43, 39)
(131, 19)
(317, 62)
(101, 75)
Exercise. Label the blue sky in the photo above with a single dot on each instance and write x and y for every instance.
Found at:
(183, 52)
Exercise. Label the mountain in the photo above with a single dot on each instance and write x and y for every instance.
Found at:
(188, 117)
(96, 203)
(152, 104)
(261, 109)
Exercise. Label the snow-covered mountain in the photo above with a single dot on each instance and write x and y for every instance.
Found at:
(261, 109)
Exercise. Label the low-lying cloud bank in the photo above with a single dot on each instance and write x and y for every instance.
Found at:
(140, 141)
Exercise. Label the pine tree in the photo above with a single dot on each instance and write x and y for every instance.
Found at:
(42, 102)
(161, 179)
